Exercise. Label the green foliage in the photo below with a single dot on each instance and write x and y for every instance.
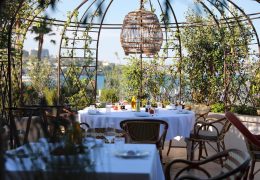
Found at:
(75, 91)
(255, 88)
(208, 48)
(30, 96)
(204, 62)
(50, 96)
(151, 78)
(218, 108)
(109, 95)
(113, 79)
(41, 75)
(243, 109)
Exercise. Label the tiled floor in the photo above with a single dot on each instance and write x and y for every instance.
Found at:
(180, 153)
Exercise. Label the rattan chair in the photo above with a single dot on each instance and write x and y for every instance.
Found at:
(201, 113)
(210, 131)
(235, 166)
(145, 131)
(252, 142)
(28, 125)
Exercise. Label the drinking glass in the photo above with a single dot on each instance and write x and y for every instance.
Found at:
(92, 107)
(90, 142)
(119, 143)
(108, 108)
(110, 132)
(159, 105)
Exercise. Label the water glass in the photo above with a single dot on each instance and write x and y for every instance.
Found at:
(119, 143)
(159, 105)
(156, 111)
(89, 142)
(110, 132)
(179, 108)
(92, 107)
(108, 108)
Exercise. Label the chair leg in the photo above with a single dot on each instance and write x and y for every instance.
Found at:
(223, 145)
(169, 148)
(160, 153)
(205, 149)
(251, 173)
(246, 173)
(200, 150)
(190, 150)
(221, 160)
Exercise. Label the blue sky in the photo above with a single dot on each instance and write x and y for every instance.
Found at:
(110, 39)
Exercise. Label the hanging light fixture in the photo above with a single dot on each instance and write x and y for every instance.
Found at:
(141, 32)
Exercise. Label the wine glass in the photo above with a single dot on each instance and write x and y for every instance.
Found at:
(90, 142)
(110, 132)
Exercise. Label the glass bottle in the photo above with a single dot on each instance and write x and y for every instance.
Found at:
(133, 103)
(147, 107)
(138, 105)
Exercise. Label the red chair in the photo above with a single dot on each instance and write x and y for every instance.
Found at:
(252, 141)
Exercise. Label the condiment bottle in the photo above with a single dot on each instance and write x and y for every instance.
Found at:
(133, 103)
(138, 105)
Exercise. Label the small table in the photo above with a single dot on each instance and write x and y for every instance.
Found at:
(106, 165)
(180, 123)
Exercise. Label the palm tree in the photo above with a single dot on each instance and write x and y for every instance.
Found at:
(41, 30)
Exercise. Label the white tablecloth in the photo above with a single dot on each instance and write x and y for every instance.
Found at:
(107, 166)
(180, 124)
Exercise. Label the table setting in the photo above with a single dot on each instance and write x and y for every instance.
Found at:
(101, 161)
(180, 120)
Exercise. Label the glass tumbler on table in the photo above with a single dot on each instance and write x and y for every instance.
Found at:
(110, 132)
(108, 108)
(119, 143)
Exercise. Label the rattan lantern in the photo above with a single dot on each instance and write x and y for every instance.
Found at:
(141, 33)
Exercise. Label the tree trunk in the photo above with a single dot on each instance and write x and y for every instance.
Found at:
(40, 46)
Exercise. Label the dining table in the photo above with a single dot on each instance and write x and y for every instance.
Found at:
(180, 122)
(104, 162)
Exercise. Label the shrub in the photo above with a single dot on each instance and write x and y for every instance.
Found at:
(243, 109)
(30, 96)
(218, 108)
(109, 95)
(50, 96)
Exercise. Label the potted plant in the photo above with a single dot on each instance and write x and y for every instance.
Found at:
(257, 105)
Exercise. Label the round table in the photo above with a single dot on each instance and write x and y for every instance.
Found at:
(180, 123)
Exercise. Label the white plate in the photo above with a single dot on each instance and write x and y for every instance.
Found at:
(132, 153)
(142, 114)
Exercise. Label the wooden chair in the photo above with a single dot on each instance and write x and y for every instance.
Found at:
(252, 142)
(208, 132)
(145, 131)
(235, 166)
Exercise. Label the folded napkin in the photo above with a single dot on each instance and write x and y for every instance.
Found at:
(170, 107)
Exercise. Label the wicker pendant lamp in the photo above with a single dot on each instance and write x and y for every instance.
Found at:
(141, 33)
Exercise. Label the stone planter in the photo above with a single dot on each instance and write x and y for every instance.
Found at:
(258, 111)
